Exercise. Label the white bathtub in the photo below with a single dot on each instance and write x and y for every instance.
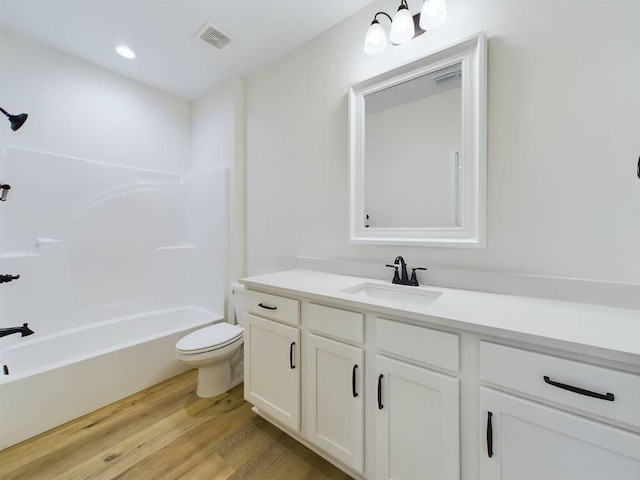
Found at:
(60, 377)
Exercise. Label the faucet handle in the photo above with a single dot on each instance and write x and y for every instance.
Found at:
(396, 277)
(8, 278)
(5, 190)
(414, 278)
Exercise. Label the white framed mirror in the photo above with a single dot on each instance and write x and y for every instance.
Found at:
(418, 151)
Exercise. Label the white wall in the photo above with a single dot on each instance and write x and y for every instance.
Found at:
(79, 110)
(213, 122)
(562, 148)
(218, 142)
(207, 219)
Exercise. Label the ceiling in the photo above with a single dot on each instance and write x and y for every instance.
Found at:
(161, 32)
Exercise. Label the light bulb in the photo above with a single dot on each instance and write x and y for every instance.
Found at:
(375, 41)
(433, 14)
(125, 52)
(402, 29)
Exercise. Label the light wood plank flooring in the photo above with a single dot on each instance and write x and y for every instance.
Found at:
(167, 432)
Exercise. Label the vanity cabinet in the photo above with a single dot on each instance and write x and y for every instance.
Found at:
(417, 423)
(335, 399)
(272, 357)
(385, 392)
(526, 440)
(335, 381)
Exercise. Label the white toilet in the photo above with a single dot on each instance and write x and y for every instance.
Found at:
(216, 350)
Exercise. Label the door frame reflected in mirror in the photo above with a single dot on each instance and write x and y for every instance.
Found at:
(471, 232)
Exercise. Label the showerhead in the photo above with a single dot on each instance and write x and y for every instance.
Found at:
(16, 120)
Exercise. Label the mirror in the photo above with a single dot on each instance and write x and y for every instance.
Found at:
(417, 125)
(418, 151)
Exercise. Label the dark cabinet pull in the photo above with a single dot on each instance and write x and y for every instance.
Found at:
(638, 172)
(353, 381)
(267, 307)
(291, 364)
(380, 406)
(489, 435)
(609, 396)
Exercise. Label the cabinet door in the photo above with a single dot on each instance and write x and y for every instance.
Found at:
(271, 369)
(418, 426)
(527, 440)
(335, 405)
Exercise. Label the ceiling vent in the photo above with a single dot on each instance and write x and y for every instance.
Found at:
(448, 76)
(214, 37)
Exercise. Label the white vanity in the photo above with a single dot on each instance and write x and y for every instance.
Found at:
(416, 383)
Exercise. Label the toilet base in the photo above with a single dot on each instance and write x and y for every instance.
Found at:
(214, 379)
(215, 368)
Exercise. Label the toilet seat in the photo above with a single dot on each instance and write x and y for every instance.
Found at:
(210, 338)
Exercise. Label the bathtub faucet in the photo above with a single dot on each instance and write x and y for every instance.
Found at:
(24, 330)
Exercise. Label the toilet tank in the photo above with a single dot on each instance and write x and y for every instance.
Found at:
(236, 304)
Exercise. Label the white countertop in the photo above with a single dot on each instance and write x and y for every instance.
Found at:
(591, 328)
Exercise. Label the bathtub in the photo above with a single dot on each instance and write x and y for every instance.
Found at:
(57, 378)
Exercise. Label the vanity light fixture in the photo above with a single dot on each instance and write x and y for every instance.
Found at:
(125, 52)
(375, 41)
(433, 14)
(404, 26)
(16, 120)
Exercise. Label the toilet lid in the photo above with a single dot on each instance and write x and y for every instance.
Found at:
(210, 337)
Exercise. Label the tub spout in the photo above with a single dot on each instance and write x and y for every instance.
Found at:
(24, 331)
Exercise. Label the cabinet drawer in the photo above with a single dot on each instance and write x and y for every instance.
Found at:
(282, 309)
(562, 381)
(421, 344)
(335, 322)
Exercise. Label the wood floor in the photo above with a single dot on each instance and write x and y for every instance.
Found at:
(167, 432)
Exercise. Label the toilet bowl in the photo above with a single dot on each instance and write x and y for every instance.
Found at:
(213, 350)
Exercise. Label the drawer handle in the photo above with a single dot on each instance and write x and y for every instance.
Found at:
(489, 435)
(291, 364)
(609, 396)
(267, 307)
(353, 381)
(380, 406)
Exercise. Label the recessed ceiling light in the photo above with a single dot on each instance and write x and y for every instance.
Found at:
(125, 52)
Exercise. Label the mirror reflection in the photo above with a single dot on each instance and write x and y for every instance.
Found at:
(413, 161)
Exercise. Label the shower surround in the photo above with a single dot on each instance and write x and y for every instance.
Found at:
(115, 264)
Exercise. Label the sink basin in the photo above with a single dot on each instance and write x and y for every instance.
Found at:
(397, 293)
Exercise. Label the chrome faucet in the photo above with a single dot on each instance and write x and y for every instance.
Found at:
(24, 330)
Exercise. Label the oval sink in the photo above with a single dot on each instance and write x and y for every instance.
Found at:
(397, 293)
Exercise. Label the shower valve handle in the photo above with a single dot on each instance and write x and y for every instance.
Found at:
(8, 278)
